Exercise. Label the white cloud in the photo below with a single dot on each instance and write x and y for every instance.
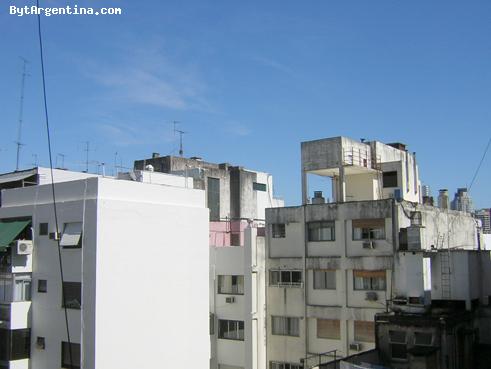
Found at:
(146, 76)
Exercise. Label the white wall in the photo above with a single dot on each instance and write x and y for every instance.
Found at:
(152, 286)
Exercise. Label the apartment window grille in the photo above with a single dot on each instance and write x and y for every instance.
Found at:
(328, 328)
(285, 326)
(369, 280)
(324, 279)
(423, 338)
(278, 230)
(285, 278)
(321, 231)
(72, 235)
(213, 197)
(368, 229)
(231, 329)
(389, 179)
(258, 186)
(364, 331)
(43, 229)
(66, 363)
(280, 365)
(398, 346)
(231, 284)
(73, 295)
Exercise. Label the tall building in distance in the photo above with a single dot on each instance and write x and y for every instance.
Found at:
(462, 201)
(484, 215)
(425, 191)
(443, 199)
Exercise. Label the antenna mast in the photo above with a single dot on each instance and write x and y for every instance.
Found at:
(21, 112)
(181, 151)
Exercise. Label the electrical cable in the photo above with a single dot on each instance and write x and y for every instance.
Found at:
(46, 116)
(479, 166)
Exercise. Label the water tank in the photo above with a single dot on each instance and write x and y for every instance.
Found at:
(149, 168)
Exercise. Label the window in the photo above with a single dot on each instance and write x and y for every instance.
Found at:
(371, 280)
(212, 324)
(285, 278)
(73, 295)
(70, 360)
(15, 344)
(231, 329)
(72, 235)
(328, 328)
(258, 186)
(398, 347)
(278, 230)
(41, 343)
(5, 313)
(43, 229)
(42, 285)
(231, 284)
(389, 179)
(364, 331)
(285, 326)
(15, 287)
(213, 197)
(278, 365)
(324, 279)
(321, 231)
(234, 239)
(368, 229)
(423, 338)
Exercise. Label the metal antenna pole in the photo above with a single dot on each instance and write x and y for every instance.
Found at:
(181, 151)
(87, 145)
(21, 112)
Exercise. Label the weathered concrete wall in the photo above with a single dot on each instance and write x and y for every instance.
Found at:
(321, 154)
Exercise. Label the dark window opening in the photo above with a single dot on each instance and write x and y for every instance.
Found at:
(258, 186)
(389, 179)
(43, 229)
(70, 361)
(42, 285)
(278, 230)
(231, 329)
(73, 295)
(15, 344)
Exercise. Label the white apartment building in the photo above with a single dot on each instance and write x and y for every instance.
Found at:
(237, 277)
(331, 267)
(135, 259)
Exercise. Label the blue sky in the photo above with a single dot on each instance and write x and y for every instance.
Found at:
(250, 80)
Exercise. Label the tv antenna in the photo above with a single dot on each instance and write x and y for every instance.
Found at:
(62, 156)
(21, 111)
(181, 151)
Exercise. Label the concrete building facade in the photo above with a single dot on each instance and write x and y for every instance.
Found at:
(331, 267)
(128, 248)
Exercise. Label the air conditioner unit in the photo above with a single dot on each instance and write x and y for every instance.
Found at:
(371, 296)
(54, 236)
(368, 244)
(355, 346)
(24, 247)
(230, 300)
